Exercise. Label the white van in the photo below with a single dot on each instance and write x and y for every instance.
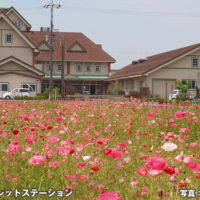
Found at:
(22, 92)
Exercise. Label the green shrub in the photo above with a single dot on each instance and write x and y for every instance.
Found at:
(47, 91)
(114, 88)
(70, 90)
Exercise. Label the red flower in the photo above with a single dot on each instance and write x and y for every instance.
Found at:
(169, 170)
(15, 132)
(142, 171)
(95, 169)
(107, 151)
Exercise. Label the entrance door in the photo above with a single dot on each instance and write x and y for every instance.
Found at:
(93, 89)
(3, 89)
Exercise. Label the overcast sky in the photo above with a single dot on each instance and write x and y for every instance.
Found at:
(127, 29)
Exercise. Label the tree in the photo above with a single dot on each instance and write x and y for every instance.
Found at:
(183, 87)
(114, 88)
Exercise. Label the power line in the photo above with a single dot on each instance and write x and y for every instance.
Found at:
(123, 12)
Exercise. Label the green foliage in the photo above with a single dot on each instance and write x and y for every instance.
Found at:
(70, 90)
(29, 98)
(183, 89)
(23, 98)
(114, 88)
(47, 91)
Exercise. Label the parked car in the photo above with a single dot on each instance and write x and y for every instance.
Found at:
(23, 92)
(176, 92)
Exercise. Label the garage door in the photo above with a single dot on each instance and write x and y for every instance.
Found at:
(163, 87)
(3, 89)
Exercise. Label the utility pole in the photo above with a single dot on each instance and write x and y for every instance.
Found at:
(63, 69)
(52, 6)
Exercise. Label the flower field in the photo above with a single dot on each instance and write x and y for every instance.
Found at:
(99, 150)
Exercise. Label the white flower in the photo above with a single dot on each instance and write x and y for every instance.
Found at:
(86, 157)
(168, 146)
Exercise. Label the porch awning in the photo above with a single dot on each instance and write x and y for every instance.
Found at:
(58, 76)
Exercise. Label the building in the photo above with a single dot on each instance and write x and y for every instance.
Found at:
(25, 57)
(159, 72)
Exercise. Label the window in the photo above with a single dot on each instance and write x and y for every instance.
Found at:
(122, 84)
(23, 90)
(18, 23)
(9, 38)
(127, 84)
(4, 87)
(88, 68)
(78, 67)
(59, 67)
(32, 87)
(195, 62)
(192, 85)
(49, 67)
(141, 84)
(132, 84)
(97, 68)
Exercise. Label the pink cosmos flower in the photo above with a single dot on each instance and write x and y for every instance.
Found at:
(196, 170)
(151, 114)
(31, 138)
(108, 195)
(156, 163)
(154, 172)
(127, 159)
(36, 160)
(191, 164)
(54, 164)
(184, 130)
(142, 171)
(117, 154)
(53, 139)
(179, 114)
(193, 144)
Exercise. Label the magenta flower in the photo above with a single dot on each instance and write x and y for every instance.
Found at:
(117, 154)
(191, 165)
(156, 163)
(180, 115)
(108, 195)
(36, 160)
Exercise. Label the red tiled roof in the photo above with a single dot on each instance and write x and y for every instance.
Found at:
(94, 51)
(151, 63)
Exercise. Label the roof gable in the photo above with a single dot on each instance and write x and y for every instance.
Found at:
(94, 53)
(12, 9)
(44, 46)
(20, 33)
(19, 62)
(76, 47)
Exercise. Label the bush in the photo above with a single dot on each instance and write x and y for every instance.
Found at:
(47, 91)
(23, 98)
(121, 92)
(114, 88)
(70, 90)
(40, 98)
